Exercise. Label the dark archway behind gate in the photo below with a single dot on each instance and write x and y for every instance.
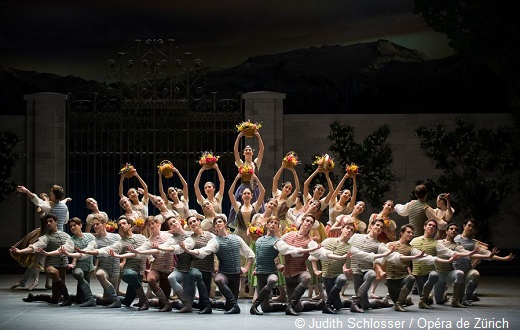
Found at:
(154, 107)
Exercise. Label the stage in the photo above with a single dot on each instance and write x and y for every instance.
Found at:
(498, 308)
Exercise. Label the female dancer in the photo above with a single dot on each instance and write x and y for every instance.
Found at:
(164, 213)
(252, 163)
(318, 192)
(344, 205)
(31, 261)
(92, 205)
(209, 189)
(353, 217)
(444, 211)
(245, 211)
(179, 198)
(210, 215)
(133, 195)
(286, 197)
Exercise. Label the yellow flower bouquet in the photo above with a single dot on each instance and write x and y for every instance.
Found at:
(208, 159)
(290, 228)
(246, 171)
(128, 170)
(248, 128)
(325, 163)
(352, 169)
(166, 168)
(111, 226)
(290, 160)
(256, 232)
(139, 222)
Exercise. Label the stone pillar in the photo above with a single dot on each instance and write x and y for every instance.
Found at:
(267, 108)
(46, 146)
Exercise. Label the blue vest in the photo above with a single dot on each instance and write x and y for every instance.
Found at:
(229, 254)
(265, 255)
(60, 210)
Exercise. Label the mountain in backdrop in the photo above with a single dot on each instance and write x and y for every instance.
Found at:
(374, 77)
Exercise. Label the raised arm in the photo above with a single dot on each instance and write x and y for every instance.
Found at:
(196, 187)
(449, 210)
(121, 194)
(276, 179)
(331, 188)
(26, 191)
(185, 191)
(307, 182)
(221, 181)
(261, 196)
(144, 185)
(337, 190)
(352, 202)
(296, 189)
(260, 150)
(238, 160)
(231, 192)
(161, 188)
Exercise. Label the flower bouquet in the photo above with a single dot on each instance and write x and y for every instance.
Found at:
(128, 170)
(166, 168)
(325, 163)
(139, 222)
(256, 232)
(111, 226)
(290, 228)
(248, 128)
(352, 169)
(208, 159)
(246, 171)
(290, 160)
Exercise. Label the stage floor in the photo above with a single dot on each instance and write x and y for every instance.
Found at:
(498, 308)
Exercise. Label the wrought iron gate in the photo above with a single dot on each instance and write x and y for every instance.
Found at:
(153, 108)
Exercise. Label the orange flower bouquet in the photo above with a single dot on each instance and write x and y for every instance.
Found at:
(111, 226)
(290, 228)
(325, 163)
(256, 232)
(248, 128)
(246, 171)
(128, 170)
(290, 160)
(352, 169)
(208, 158)
(139, 222)
(166, 168)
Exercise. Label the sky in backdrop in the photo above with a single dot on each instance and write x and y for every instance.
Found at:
(78, 37)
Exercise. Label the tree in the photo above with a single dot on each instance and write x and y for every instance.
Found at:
(9, 156)
(373, 156)
(479, 168)
(485, 31)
